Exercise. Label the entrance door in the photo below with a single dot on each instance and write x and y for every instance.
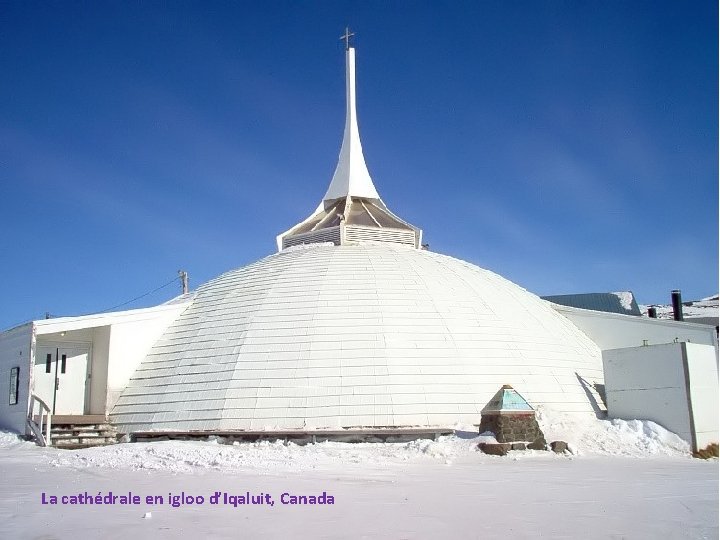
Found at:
(44, 374)
(60, 375)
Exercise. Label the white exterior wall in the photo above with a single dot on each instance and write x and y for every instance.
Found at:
(615, 331)
(674, 385)
(129, 342)
(648, 383)
(118, 343)
(81, 336)
(99, 370)
(703, 384)
(15, 351)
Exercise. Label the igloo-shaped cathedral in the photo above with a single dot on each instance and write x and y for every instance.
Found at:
(353, 324)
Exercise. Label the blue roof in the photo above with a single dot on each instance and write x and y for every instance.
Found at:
(507, 399)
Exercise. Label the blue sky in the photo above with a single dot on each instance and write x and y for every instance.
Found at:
(569, 146)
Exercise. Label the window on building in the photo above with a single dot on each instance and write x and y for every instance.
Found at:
(14, 385)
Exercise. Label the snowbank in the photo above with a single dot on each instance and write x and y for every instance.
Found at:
(586, 436)
(625, 298)
(12, 440)
(632, 438)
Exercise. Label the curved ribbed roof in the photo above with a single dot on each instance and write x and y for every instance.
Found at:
(355, 335)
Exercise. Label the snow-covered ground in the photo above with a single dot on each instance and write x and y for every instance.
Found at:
(623, 480)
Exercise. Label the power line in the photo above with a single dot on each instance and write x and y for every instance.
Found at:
(21, 323)
(173, 280)
(47, 315)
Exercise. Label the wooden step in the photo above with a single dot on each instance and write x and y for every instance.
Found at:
(94, 434)
(74, 442)
(73, 435)
(79, 419)
(79, 430)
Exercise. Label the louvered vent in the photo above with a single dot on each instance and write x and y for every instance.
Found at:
(356, 233)
(331, 234)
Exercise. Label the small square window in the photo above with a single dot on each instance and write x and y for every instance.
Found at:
(14, 385)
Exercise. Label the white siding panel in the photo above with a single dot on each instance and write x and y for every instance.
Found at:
(703, 383)
(15, 351)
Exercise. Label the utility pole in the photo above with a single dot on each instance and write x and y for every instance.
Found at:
(184, 280)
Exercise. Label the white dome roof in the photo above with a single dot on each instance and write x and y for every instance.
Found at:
(356, 335)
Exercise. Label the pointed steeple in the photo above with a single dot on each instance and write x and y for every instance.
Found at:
(351, 211)
(351, 177)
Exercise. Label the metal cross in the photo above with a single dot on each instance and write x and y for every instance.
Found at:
(346, 36)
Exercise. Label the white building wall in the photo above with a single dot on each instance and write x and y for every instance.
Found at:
(648, 383)
(130, 341)
(703, 384)
(82, 337)
(118, 342)
(674, 385)
(615, 331)
(15, 351)
(99, 370)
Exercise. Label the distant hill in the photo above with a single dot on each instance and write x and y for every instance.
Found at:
(703, 311)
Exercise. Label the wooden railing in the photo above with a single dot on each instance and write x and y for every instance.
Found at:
(40, 425)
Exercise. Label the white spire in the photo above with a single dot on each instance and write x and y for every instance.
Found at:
(351, 211)
(351, 174)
